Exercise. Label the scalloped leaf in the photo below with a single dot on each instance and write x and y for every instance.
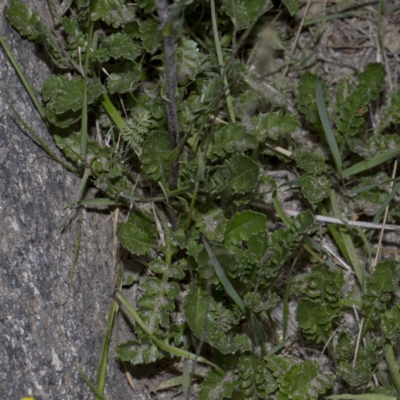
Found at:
(212, 223)
(244, 225)
(112, 12)
(62, 94)
(138, 352)
(155, 157)
(378, 290)
(242, 13)
(306, 98)
(117, 45)
(315, 189)
(243, 174)
(255, 381)
(150, 35)
(306, 381)
(189, 61)
(315, 319)
(232, 138)
(217, 387)
(273, 125)
(312, 162)
(195, 306)
(137, 234)
(126, 81)
(362, 372)
(355, 106)
(29, 24)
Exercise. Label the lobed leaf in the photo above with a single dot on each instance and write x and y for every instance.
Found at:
(112, 12)
(62, 94)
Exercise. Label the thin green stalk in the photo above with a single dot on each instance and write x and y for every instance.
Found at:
(111, 111)
(329, 134)
(96, 392)
(162, 345)
(347, 240)
(84, 120)
(393, 370)
(221, 62)
(74, 258)
(23, 79)
(40, 141)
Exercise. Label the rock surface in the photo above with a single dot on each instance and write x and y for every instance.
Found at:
(41, 342)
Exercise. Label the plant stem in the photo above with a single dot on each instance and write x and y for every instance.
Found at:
(221, 62)
(171, 85)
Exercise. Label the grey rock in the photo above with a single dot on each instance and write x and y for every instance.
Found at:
(41, 342)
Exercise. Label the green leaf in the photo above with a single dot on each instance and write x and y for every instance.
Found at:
(315, 189)
(150, 35)
(29, 24)
(137, 235)
(62, 94)
(273, 125)
(188, 61)
(242, 13)
(243, 174)
(232, 138)
(153, 286)
(370, 201)
(162, 345)
(300, 381)
(305, 381)
(63, 120)
(344, 347)
(371, 82)
(244, 225)
(292, 6)
(161, 267)
(255, 381)
(117, 45)
(138, 352)
(126, 81)
(146, 5)
(378, 291)
(368, 396)
(306, 100)
(390, 111)
(359, 374)
(323, 284)
(195, 306)
(212, 224)
(224, 279)
(255, 302)
(75, 37)
(112, 12)
(155, 157)
(315, 317)
(312, 162)
(216, 387)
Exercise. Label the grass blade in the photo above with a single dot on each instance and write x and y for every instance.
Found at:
(329, 134)
(164, 346)
(224, 279)
(23, 79)
(371, 163)
(40, 141)
(102, 368)
(347, 240)
(99, 396)
(393, 368)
